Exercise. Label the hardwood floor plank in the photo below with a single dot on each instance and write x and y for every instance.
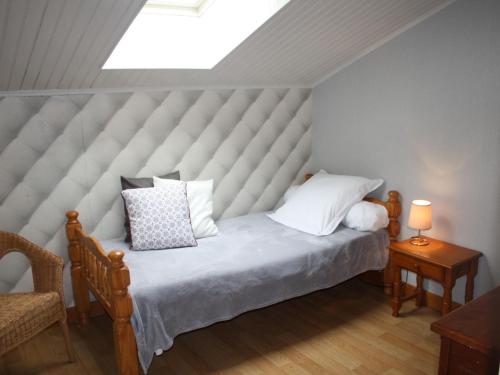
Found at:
(244, 343)
(181, 350)
(343, 330)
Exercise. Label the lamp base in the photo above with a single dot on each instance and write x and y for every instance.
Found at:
(419, 241)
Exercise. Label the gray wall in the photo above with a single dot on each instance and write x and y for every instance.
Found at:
(67, 152)
(423, 112)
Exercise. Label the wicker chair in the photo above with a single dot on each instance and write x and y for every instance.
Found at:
(23, 315)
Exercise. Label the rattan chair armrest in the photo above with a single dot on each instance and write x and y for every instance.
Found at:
(46, 267)
(48, 276)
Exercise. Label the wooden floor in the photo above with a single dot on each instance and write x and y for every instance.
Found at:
(347, 329)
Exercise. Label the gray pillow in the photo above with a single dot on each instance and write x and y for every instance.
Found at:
(159, 217)
(136, 183)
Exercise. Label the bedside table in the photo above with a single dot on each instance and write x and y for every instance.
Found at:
(440, 261)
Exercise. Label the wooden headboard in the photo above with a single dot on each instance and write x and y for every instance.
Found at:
(393, 207)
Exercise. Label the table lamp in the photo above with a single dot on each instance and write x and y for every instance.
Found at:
(420, 219)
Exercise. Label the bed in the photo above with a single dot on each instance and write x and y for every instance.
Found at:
(253, 262)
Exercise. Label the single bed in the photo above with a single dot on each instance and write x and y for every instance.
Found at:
(252, 263)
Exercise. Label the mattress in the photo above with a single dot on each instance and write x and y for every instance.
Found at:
(253, 262)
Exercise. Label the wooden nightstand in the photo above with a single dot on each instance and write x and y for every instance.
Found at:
(440, 261)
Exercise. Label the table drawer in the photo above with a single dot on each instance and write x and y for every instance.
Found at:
(426, 269)
(467, 361)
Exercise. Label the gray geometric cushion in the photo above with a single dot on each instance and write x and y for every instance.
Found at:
(159, 217)
(136, 183)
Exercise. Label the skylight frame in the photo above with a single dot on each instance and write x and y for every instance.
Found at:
(176, 7)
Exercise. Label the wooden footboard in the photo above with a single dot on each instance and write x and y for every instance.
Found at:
(107, 277)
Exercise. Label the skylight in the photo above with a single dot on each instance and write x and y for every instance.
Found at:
(188, 34)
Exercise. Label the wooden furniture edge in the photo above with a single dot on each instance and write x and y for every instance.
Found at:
(393, 207)
(468, 343)
(476, 256)
(441, 328)
(108, 278)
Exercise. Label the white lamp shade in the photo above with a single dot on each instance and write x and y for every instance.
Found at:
(420, 215)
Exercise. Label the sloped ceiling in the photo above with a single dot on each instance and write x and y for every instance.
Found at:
(62, 44)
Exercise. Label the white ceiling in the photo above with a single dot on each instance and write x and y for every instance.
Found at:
(62, 44)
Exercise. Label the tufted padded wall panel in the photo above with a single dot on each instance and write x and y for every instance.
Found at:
(67, 152)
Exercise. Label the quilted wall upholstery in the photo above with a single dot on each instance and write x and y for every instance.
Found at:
(67, 152)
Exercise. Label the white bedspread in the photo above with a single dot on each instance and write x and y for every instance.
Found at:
(252, 263)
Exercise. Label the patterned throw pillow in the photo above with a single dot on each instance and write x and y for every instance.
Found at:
(159, 218)
(136, 183)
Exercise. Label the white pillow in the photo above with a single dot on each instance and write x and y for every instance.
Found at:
(363, 216)
(200, 199)
(320, 203)
(159, 218)
(290, 192)
(366, 216)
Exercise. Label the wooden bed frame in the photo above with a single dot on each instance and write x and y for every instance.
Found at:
(108, 278)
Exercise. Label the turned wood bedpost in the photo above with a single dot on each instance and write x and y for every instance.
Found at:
(80, 288)
(393, 206)
(123, 333)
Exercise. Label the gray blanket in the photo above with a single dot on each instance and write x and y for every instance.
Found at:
(252, 263)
